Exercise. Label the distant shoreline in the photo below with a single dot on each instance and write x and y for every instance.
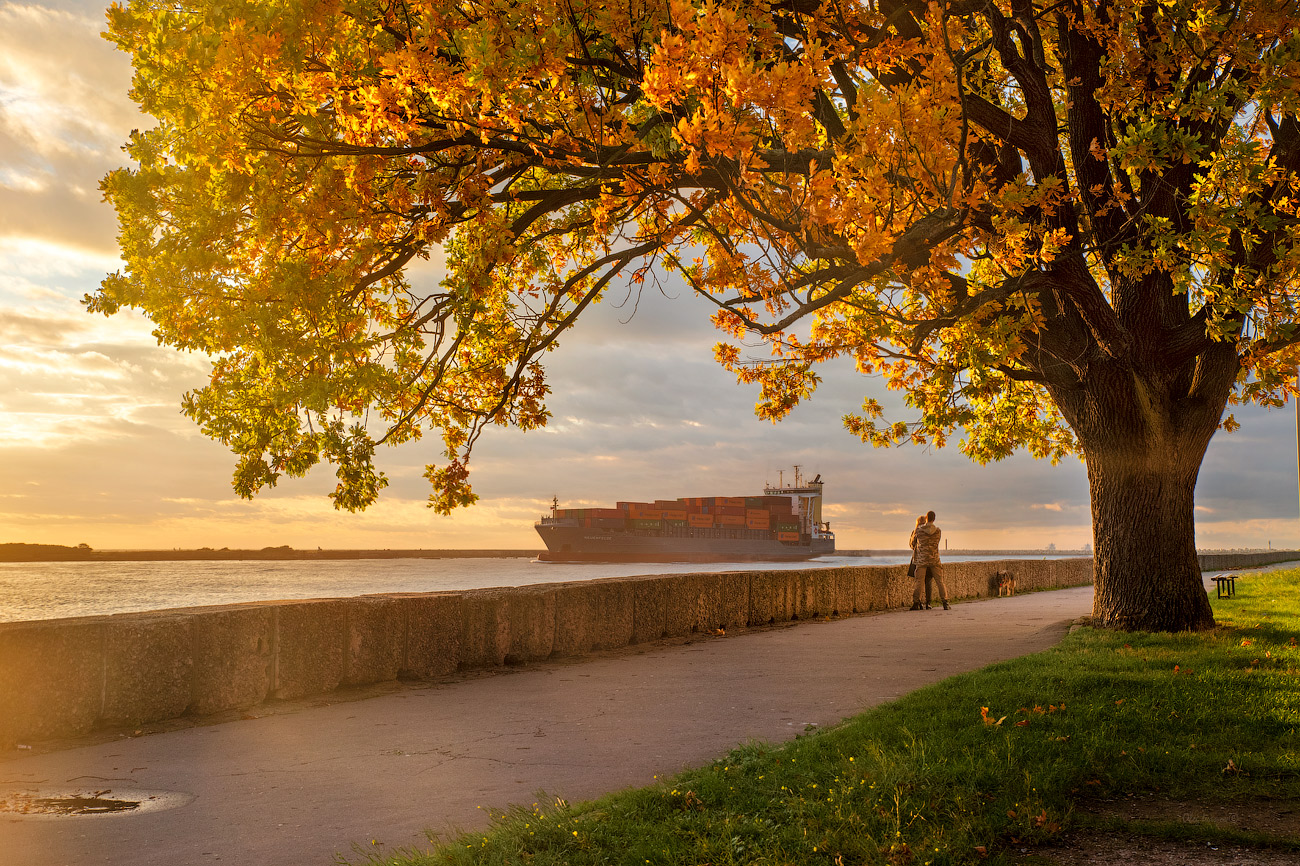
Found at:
(18, 552)
(60, 553)
(13, 552)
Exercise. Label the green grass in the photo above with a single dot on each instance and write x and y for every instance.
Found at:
(933, 778)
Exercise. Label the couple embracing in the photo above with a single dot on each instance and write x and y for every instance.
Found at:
(925, 561)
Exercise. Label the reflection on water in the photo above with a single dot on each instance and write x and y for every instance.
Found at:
(48, 590)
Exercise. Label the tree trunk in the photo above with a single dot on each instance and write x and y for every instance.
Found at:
(1145, 570)
(1143, 432)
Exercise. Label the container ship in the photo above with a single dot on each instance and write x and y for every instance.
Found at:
(785, 523)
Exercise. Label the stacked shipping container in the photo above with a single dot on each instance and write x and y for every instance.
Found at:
(757, 513)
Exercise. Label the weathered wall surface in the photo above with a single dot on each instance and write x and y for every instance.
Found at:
(70, 676)
(1221, 561)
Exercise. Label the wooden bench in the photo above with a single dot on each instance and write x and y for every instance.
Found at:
(1226, 585)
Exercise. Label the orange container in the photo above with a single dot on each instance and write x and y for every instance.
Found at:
(674, 515)
(729, 520)
(701, 521)
(787, 536)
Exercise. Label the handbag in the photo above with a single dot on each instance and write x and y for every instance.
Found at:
(911, 568)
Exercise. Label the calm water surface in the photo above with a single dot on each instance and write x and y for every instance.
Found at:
(49, 590)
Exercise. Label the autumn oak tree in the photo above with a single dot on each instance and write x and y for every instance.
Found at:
(1062, 226)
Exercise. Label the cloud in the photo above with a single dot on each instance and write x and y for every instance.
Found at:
(64, 115)
(72, 379)
(36, 269)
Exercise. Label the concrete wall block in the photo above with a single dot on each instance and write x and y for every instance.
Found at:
(1042, 574)
(650, 607)
(1053, 575)
(531, 613)
(899, 587)
(1056, 576)
(593, 615)
(956, 576)
(310, 638)
(723, 601)
(232, 657)
(844, 597)
(434, 630)
(1077, 572)
(870, 588)
(1035, 574)
(682, 603)
(771, 597)
(985, 581)
(148, 668)
(826, 592)
(1029, 576)
(376, 639)
(813, 596)
(51, 678)
(485, 629)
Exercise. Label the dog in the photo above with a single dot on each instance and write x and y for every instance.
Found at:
(1006, 584)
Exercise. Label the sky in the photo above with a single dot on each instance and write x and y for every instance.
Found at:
(94, 449)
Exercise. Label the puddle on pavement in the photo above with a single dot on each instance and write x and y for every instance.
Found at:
(78, 803)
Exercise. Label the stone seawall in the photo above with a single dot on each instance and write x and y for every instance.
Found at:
(67, 677)
(1222, 561)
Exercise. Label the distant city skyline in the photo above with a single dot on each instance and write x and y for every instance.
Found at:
(95, 450)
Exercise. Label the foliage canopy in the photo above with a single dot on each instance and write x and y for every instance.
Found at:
(986, 201)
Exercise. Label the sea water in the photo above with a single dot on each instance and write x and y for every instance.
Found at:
(50, 590)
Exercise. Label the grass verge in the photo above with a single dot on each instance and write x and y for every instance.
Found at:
(969, 770)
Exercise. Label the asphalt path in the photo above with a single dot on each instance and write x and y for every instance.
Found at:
(302, 782)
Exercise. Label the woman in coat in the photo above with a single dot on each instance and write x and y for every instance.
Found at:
(924, 542)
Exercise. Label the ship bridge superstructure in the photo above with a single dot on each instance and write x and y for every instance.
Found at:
(806, 502)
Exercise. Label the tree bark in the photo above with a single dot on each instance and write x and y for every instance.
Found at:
(1145, 572)
(1144, 432)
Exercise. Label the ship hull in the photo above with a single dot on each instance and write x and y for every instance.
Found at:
(579, 544)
